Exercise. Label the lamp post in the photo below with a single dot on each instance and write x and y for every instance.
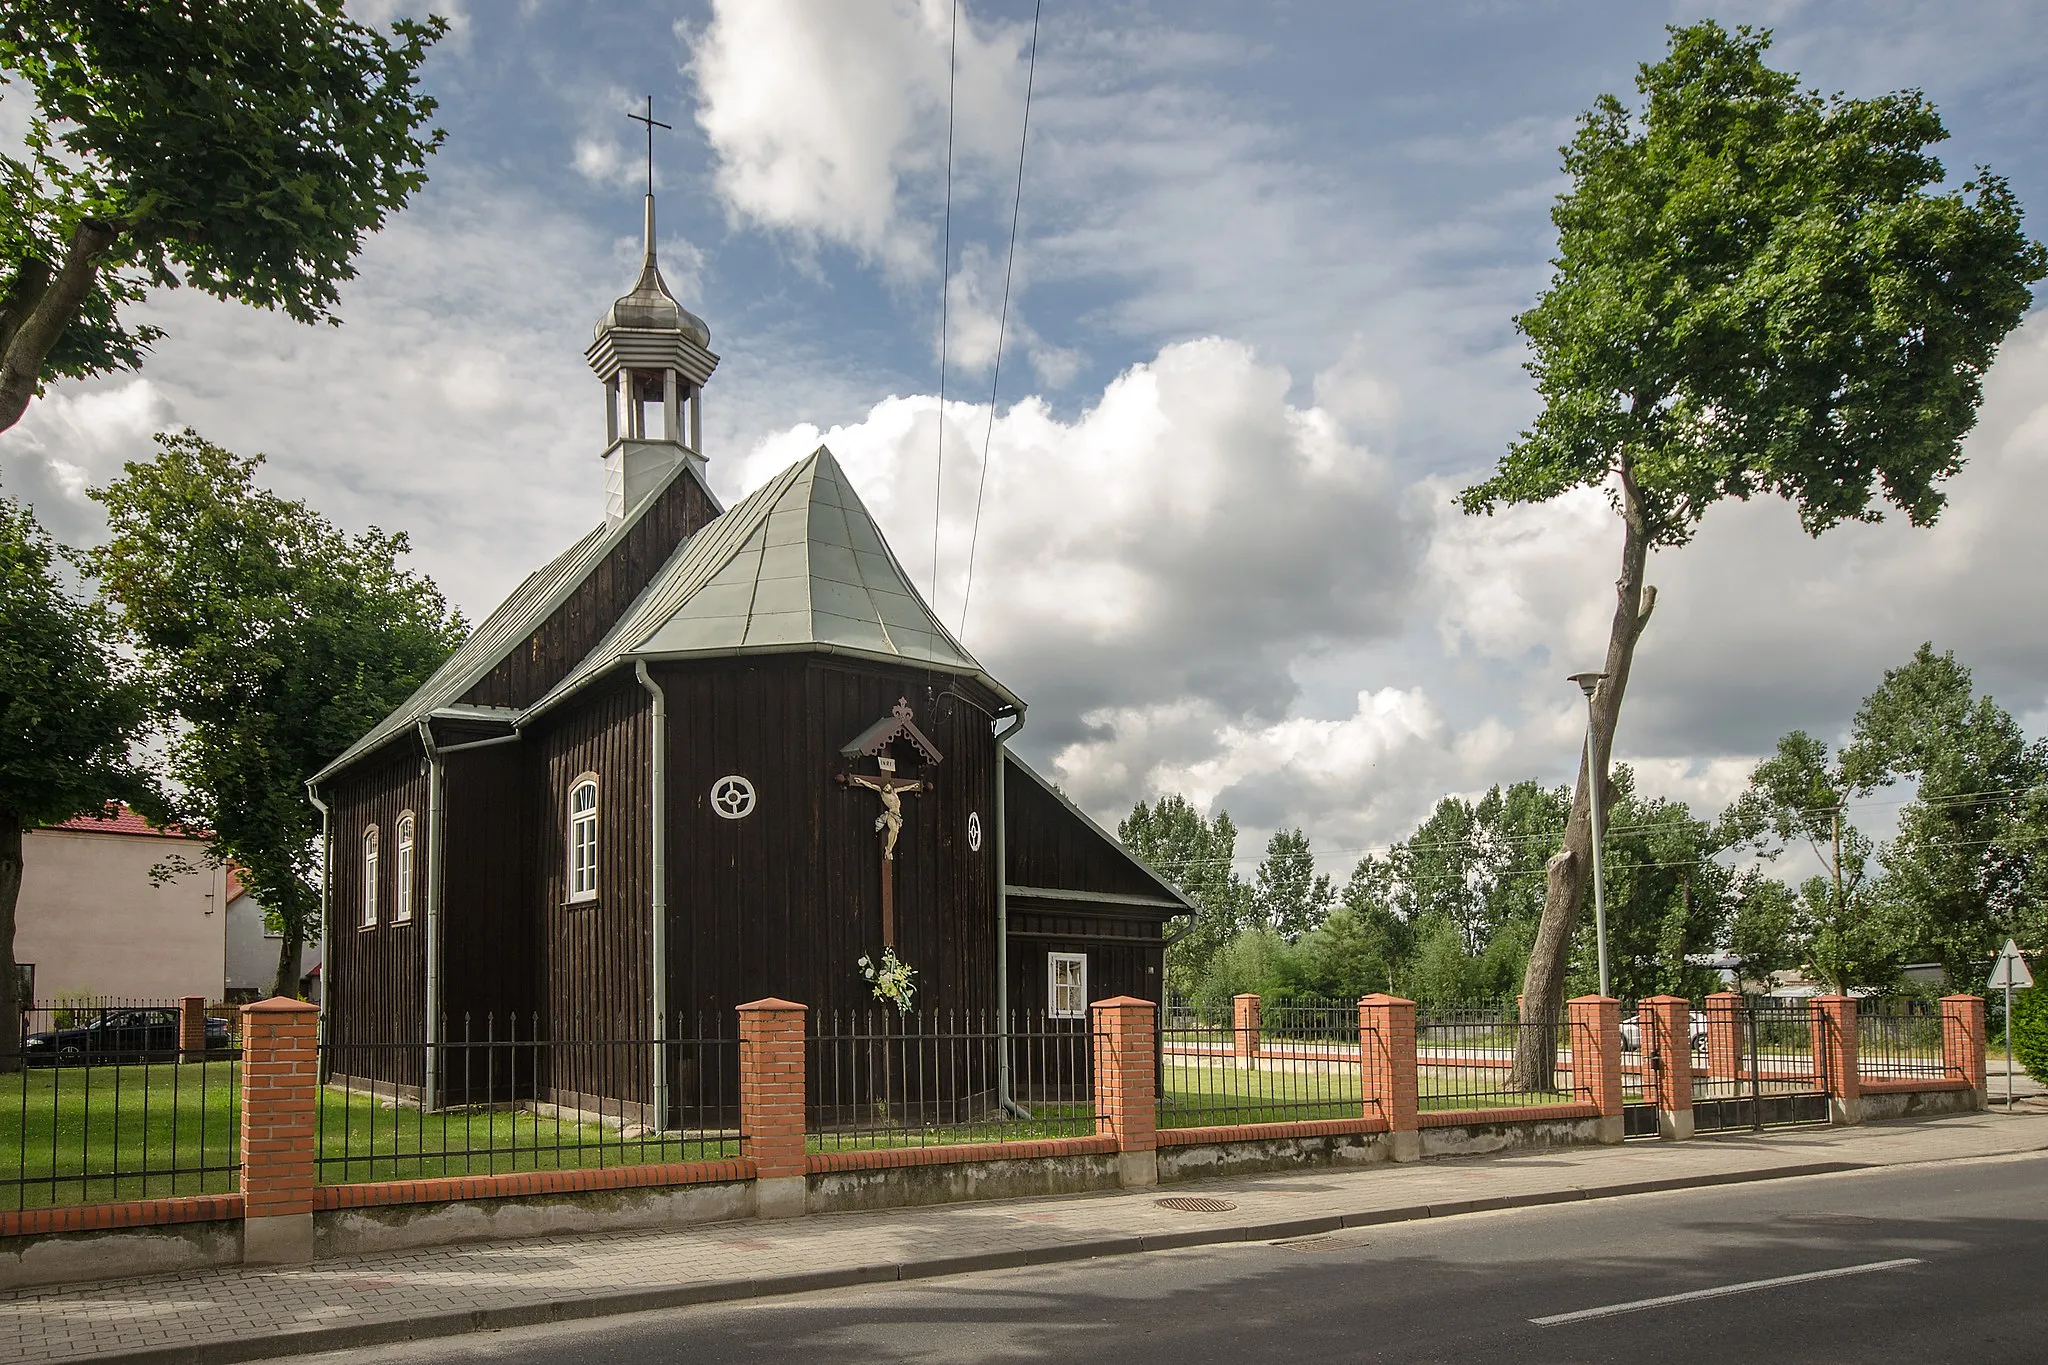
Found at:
(1588, 682)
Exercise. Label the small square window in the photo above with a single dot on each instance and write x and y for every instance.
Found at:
(1068, 990)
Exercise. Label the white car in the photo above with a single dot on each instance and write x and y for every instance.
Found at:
(1632, 1033)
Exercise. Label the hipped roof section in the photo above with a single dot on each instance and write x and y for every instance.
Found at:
(797, 567)
(505, 629)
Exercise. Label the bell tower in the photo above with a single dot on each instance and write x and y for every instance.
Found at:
(654, 356)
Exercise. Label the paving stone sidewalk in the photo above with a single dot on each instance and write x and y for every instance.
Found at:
(228, 1315)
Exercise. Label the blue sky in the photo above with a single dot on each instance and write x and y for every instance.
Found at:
(1261, 331)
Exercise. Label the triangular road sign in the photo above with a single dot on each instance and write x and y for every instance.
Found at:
(2011, 968)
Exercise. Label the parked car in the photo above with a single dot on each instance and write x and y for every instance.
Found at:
(1632, 1033)
(125, 1035)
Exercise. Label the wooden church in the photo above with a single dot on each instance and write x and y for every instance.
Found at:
(704, 756)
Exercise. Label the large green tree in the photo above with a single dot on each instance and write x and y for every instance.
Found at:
(242, 147)
(273, 639)
(1758, 289)
(1289, 896)
(1196, 854)
(69, 711)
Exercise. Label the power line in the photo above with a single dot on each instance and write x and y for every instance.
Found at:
(945, 293)
(1002, 326)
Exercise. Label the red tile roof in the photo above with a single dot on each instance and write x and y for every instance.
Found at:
(119, 819)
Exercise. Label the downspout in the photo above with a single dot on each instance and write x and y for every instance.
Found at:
(326, 905)
(1003, 1096)
(657, 804)
(430, 1088)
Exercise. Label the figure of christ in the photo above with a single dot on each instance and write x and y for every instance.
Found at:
(889, 824)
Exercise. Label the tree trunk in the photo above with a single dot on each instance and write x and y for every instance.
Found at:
(10, 891)
(43, 323)
(1571, 866)
(289, 953)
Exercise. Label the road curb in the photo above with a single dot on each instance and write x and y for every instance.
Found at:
(427, 1327)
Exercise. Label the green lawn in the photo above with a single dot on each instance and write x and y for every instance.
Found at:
(87, 1135)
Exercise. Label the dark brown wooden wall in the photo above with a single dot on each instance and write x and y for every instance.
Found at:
(489, 920)
(593, 956)
(785, 901)
(574, 629)
(1051, 846)
(377, 976)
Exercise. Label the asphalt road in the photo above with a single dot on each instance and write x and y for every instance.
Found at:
(1960, 1250)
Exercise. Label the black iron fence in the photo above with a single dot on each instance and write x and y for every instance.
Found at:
(491, 1098)
(880, 1078)
(1465, 1057)
(1899, 1043)
(1300, 1063)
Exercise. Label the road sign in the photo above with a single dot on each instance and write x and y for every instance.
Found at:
(2010, 970)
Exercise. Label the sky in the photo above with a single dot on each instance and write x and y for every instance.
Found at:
(1259, 332)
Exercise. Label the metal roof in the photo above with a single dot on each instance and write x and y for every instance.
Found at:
(798, 566)
(516, 618)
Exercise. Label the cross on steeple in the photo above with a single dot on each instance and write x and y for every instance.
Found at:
(652, 123)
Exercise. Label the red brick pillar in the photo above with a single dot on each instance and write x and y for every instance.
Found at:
(1962, 1041)
(1665, 1022)
(192, 1028)
(1724, 1037)
(1835, 1058)
(1596, 1058)
(772, 1103)
(1244, 1031)
(280, 1086)
(1126, 1086)
(1386, 1069)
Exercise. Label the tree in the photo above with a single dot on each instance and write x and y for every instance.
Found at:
(69, 710)
(1669, 898)
(1958, 873)
(1757, 289)
(1289, 896)
(244, 148)
(272, 640)
(1194, 854)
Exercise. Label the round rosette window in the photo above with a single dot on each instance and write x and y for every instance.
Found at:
(733, 797)
(974, 831)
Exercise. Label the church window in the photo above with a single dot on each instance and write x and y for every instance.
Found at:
(401, 898)
(370, 877)
(1069, 985)
(583, 840)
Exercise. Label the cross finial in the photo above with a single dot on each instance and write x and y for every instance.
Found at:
(652, 123)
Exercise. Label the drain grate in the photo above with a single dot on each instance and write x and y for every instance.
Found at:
(1195, 1203)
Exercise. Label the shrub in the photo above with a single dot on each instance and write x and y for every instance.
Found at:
(2030, 1031)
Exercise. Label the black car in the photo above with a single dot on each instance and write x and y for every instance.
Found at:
(122, 1035)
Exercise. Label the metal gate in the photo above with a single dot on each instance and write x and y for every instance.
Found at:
(1763, 1070)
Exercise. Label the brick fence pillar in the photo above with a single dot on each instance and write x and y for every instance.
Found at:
(1596, 1058)
(1244, 1031)
(1665, 1028)
(192, 1028)
(1962, 1042)
(772, 1103)
(1836, 1056)
(1386, 1071)
(280, 1086)
(1724, 1037)
(1126, 1086)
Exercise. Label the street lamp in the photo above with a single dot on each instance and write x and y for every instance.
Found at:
(1588, 682)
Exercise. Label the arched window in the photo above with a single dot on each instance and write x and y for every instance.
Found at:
(370, 877)
(583, 840)
(401, 899)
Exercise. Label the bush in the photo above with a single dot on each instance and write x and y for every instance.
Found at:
(2030, 1031)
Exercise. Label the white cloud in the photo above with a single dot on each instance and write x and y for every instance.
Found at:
(822, 112)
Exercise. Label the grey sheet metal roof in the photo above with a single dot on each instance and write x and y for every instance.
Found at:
(517, 617)
(797, 566)
(1169, 894)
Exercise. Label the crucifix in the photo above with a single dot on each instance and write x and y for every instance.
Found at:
(652, 123)
(889, 824)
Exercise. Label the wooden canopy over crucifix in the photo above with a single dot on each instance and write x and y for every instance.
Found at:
(874, 742)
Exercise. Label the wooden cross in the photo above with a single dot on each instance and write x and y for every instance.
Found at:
(889, 824)
(652, 123)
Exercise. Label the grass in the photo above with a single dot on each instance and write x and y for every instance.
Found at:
(79, 1135)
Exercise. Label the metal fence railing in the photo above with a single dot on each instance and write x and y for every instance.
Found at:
(490, 1099)
(880, 1078)
(1301, 1064)
(114, 1122)
(1464, 1059)
(1896, 1044)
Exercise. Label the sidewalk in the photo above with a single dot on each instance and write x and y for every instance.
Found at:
(250, 1314)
